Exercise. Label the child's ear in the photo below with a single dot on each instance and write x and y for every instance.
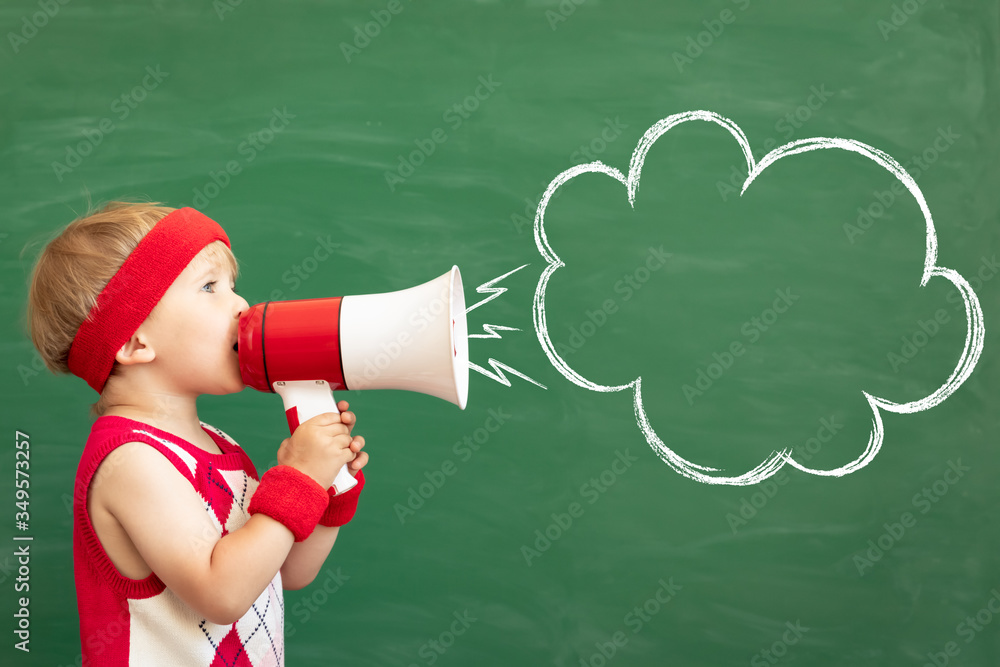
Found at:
(136, 351)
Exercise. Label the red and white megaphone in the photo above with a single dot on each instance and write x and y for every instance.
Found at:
(414, 339)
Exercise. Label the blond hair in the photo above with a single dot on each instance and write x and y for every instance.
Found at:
(76, 264)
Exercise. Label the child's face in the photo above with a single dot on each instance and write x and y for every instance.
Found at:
(193, 329)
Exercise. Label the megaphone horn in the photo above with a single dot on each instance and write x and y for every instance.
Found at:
(414, 339)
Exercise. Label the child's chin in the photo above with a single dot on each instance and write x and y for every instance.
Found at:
(231, 387)
(237, 388)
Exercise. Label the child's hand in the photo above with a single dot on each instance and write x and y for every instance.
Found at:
(320, 447)
(357, 443)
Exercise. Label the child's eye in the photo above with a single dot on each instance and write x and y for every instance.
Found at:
(212, 291)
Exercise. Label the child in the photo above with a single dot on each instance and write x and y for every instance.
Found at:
(180, 553)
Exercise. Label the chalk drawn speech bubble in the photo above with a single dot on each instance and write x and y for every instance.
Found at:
(974, 337)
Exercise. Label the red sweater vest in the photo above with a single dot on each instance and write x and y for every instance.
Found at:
(140, 621)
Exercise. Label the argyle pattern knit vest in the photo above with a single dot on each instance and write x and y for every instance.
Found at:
(127, 621)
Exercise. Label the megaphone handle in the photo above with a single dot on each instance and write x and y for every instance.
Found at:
(304, 399)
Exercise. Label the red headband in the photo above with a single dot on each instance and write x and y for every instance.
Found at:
(141, 282)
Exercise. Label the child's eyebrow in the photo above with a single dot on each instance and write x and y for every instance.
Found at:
(213, 269)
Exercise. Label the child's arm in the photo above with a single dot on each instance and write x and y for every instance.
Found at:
(306, 558)
(165, 520)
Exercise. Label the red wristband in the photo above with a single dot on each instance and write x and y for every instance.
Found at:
(341, 508)
(290, 497)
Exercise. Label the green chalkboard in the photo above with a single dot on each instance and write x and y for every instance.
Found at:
(364, 147)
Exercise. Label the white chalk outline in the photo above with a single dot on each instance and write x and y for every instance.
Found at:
(975, 331)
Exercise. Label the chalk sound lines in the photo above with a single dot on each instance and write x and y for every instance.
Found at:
(488, 288)
(498, 374)
(975, 332)
(491, 332)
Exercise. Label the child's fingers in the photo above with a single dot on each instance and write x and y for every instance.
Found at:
(359, 462)
(325, 419)
(348, 418)
(343, 406)
(357, 443)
